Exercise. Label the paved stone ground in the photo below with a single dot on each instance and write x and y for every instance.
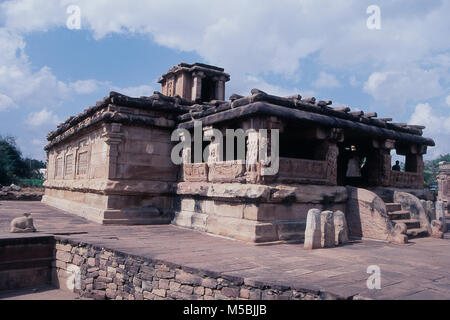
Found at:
(418, 270)
(40, 293)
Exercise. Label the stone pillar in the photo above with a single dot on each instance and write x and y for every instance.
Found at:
(440, 214)
(186, 153)
(252, 168)
(379, 163)
(215, 153)
(443, 180)
(220, 88)
(197, 85)
(113, 137)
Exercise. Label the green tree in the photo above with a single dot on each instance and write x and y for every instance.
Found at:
(431, 170)
(13, 166)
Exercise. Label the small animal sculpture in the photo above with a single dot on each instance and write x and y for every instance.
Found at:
(23, 224)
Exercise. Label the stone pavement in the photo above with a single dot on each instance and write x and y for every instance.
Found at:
(418, 270)
(40, 293)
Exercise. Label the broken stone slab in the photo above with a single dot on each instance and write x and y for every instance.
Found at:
(327, 229)
(23, 224)
(340, 228)
(429, 209)
(313, 234)
(436, 229)
(440, 214)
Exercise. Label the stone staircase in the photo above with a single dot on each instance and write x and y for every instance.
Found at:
(397, 215)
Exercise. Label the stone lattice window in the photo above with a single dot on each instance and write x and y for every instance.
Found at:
(69, 165)
(82, 163)
(59, 167)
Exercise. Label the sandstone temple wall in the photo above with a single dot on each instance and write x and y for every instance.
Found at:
(113, 173)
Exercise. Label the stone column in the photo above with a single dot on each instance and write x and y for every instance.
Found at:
(220, 88)
(113, 137)
(379, 163)
(215, 147)
(197, 85)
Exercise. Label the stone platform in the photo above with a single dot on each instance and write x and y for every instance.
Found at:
(418, 270)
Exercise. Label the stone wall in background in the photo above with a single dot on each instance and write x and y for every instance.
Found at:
(105, 274)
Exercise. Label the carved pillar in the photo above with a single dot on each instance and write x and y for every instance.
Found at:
(252, 169)
(335, 135)
(197, 85)
(220, 88)
(379, 163)
(215, 147)
(113, 137)
(186, 153)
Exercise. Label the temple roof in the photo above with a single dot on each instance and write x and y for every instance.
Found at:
(294, 108)
(186, 67)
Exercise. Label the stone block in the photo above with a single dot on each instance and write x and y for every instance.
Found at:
(163, 284)
(209, 283)
(230, 292)
(147, 286)
(63, 247)
(340, 228)
(174, 286)
(440, 214)
(186, 289)
(327, 229)
(200, 291)
(64, 256)
(313, 233)
(188, 278)
(159, 292)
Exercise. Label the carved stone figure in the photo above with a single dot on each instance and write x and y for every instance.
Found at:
(23, 224)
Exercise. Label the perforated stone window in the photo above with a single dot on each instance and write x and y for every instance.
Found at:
(59, 167)
(82, 163)
(68, 170)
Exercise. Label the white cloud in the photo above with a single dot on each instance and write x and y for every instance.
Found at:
(353, 81)
(437, 127)
(42, 118)
(447, 100)
(268, 37)
(326, 80)
(85, 86)
(395, 88)
(6, 102)
(138, 91)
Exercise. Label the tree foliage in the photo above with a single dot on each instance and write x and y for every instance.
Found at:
(12, 166)
(431, 170)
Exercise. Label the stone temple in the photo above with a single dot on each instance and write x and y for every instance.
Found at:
(112, 163)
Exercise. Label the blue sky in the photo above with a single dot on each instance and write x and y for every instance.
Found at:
(316, 48)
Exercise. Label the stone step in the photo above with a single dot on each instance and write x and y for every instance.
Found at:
(398, 215)
(417, 233)
(410, 223)
(390, 207)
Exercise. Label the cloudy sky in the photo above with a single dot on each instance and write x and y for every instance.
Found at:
(320, 48)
